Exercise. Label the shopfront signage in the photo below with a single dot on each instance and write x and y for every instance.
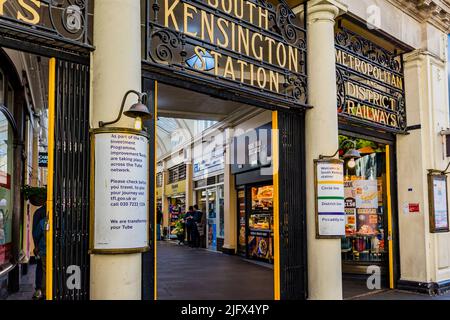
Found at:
(371, 88)
(209, 162)
(252, 149)
(438, 202)
(66, 22)
(330, 199)
(175, 188)
(121, 203)
(252, 48)
(43, 159)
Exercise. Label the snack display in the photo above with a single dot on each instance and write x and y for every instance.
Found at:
(364, 208)
(262, 198)
(260, 223)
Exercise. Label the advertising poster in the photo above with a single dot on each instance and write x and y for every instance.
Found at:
(367, 222)
(350, 208)
(366, 194)
(331, 217)
(260, 247)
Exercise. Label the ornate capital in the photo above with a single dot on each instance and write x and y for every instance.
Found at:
(325, 10)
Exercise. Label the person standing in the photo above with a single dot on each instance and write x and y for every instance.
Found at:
(39, 236)
(197, 232)
(190, 225)
(159, 217)
(39, 215)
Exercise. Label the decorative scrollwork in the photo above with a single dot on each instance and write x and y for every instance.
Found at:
(367, 49)
(401, 112)
(341, 92)
(285, 26)
(72, 18)
(296, 88)
(164, 45)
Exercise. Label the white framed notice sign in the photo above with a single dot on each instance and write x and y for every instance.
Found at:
(330, 199)
(438, 202)
(119, 191)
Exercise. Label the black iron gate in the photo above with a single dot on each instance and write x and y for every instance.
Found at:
(292, 213)
(71, 182)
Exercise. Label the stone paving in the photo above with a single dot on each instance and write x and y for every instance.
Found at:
(26, 286)
(186, 273)
(198, 274)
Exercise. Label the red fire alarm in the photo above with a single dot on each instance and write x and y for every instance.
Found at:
(414, 207)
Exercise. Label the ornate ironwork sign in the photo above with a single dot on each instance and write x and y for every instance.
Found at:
(252, 48)
(63, 24)
(370, 83)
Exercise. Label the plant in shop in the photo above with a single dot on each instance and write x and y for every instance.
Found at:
(179, 227)
(36, 195)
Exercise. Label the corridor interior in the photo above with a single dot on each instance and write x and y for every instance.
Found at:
(195, 133)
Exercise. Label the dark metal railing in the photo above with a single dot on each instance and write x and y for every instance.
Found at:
(71, 182)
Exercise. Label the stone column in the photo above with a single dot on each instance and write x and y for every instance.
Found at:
(324, 256)
(165, 199)
(230, 200)
(189, 180)
(116, 68)
(424, 256)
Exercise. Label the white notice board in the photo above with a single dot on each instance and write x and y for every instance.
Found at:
(121, 202)
(330, 204)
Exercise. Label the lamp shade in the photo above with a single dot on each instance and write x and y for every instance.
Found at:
(138, 110)
(352, 154)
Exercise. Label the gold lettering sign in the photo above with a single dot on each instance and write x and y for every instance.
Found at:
(51, 24)
(370, 83)
(242, 43)
(22, 10)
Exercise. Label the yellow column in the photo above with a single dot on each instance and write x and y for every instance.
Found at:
(189, 185)
(324, 256)
(116, 68)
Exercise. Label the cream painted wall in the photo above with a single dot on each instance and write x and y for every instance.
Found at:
(402, 26)
(392, 20)
(424, 256)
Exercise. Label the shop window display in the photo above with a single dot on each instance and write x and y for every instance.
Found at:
(365, 207)
(260, 223)
(6, 175)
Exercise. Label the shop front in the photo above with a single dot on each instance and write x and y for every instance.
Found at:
(210, 200)
(372, 111)
(208, 177)
(8, 184)
(255, 194)
(175, 193)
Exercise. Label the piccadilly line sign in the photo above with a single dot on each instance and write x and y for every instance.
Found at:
(247, 46)
(370, 83)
